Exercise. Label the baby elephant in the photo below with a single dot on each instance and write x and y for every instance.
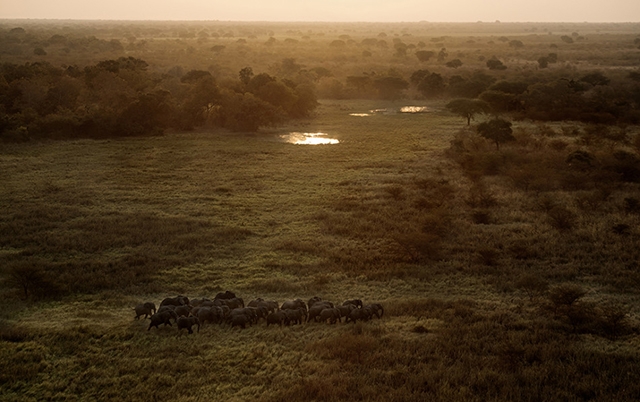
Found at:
(147, 309)
(188, 322)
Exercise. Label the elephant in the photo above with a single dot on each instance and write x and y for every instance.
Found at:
(198, 302)
(167, 307)
(260, 312)
(225, 295)
(148, 309)
(188, 322)
(240, 320)
(359, 314)
(376, 309)
(163, 317)
(183, 311)
(194, 311)
(254, 302)
(297, 316)
(330, 314)
(249, 312)
(270, 305)
(205, 314)
(317, 308)
(211, 314)
(175, 301)
(346, 309)
(278, 317)
(354, 302)
(293, 304)
(234, 303)
(313, 301)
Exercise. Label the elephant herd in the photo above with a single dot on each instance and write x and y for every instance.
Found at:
(228, 309)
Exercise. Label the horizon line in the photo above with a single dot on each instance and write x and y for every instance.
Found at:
(314, 21)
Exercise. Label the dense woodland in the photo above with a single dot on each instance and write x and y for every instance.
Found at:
(96, 80)
(498, 229)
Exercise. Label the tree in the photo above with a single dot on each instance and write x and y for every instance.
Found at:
(595, 78)
(516, 43)
(543, 62)
(495, 64)
(442, 55)
(424, 55)
(497, 130)
(359, 82)
(401, 49)
(455, 63)
(246, 112)
(277, 94)
(390, 87)
(199, 102)
(418, 76)
(431, 85)
(245, 75)
(566, 39)
(194, 75)
(510, 87)
(467, 108)
(500, 101)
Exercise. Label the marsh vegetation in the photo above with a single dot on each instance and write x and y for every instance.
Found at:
(507, 264)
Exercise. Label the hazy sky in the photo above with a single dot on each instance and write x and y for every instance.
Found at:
(329, 10)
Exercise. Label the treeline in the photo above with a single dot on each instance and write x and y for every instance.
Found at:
(122, 97)
(593, 97)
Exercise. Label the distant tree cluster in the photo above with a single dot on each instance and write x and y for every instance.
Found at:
(121, 97)
(591, 98)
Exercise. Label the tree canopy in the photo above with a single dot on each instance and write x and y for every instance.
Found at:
(467, 108)
(497, 130)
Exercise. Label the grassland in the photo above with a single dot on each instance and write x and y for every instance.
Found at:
(507, 274)
(385, 216)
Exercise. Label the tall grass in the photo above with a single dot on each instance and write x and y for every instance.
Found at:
(467, 261)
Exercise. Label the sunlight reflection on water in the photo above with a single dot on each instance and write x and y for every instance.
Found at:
(403, 109)
(308, 139)
(414, 109)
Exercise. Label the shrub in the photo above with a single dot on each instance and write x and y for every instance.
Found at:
(631, 205)
(561, 218)
(614, 320)
(419, 246)
(488, 256)
(565, 295)
(481, 217)
(33, 281)
(480, 196)
(532, 285)
(558, 145)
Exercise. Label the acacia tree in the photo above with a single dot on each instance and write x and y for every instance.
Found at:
(467, 108)
(497, 130)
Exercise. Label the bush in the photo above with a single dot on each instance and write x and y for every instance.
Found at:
(565, 295)
(532, 285)
(631, 205)
(561, 218)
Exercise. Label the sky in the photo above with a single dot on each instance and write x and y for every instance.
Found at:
(329, 10)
